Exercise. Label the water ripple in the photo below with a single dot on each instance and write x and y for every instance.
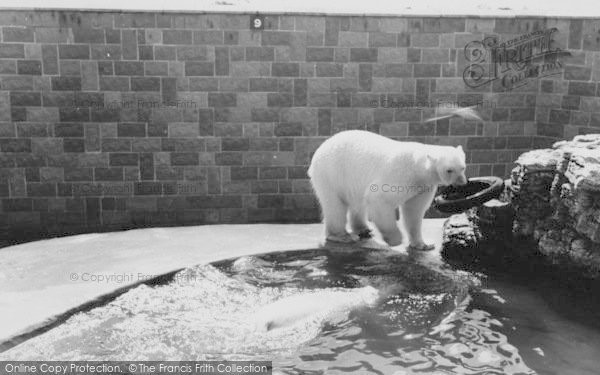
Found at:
(310, 312)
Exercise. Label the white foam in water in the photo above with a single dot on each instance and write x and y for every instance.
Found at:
(201, 315)
(316, 307)
(396, 314)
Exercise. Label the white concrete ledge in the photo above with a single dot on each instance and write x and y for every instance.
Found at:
(41, 280)
(478, 8)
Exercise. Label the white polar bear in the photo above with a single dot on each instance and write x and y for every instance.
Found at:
(358, 175)
(318, 306)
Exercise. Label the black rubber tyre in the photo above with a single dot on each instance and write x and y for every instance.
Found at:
(476, 192)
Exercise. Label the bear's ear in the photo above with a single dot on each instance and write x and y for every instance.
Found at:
(459, 148)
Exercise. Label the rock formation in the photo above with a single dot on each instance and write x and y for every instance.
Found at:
(555, 199)
(556, 195)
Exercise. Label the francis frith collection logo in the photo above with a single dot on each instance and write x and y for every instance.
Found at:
(513, 62)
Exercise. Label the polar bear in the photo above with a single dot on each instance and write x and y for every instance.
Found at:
(317, 306)
(359, 175)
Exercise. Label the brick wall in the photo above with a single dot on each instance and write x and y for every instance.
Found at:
(86, 145)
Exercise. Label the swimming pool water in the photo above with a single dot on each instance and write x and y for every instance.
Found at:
(325, 311)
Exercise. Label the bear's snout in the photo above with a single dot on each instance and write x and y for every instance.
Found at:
(460, 181)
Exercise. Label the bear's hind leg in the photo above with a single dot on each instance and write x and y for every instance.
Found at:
(384, 217)
(335, 213)
(413, 211)
(358, 221)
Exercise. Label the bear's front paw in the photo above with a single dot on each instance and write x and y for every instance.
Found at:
(342, 238)
(421, 246)
(393, 240)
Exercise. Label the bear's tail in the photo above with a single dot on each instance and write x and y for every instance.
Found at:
(468, 113)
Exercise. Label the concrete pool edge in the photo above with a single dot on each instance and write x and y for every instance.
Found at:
(284, 13)
(38, 272)
(430, 8)
(56, 320)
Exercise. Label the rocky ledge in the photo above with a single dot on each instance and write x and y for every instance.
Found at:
(555, 197)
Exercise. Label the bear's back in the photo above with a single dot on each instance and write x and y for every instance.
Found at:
(357, 157)
(356, 145)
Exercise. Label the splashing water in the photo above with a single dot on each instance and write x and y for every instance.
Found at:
(309, 312)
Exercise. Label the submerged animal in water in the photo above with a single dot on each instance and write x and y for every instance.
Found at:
(322, 306)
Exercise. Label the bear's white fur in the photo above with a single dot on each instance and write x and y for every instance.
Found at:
(358, 175)
(321, 306)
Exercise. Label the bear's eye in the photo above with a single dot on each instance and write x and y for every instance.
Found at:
(449, 171)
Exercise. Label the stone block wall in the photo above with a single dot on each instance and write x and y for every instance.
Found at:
(113, 120)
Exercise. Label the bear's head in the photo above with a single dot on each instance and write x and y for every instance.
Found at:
(450, 166)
